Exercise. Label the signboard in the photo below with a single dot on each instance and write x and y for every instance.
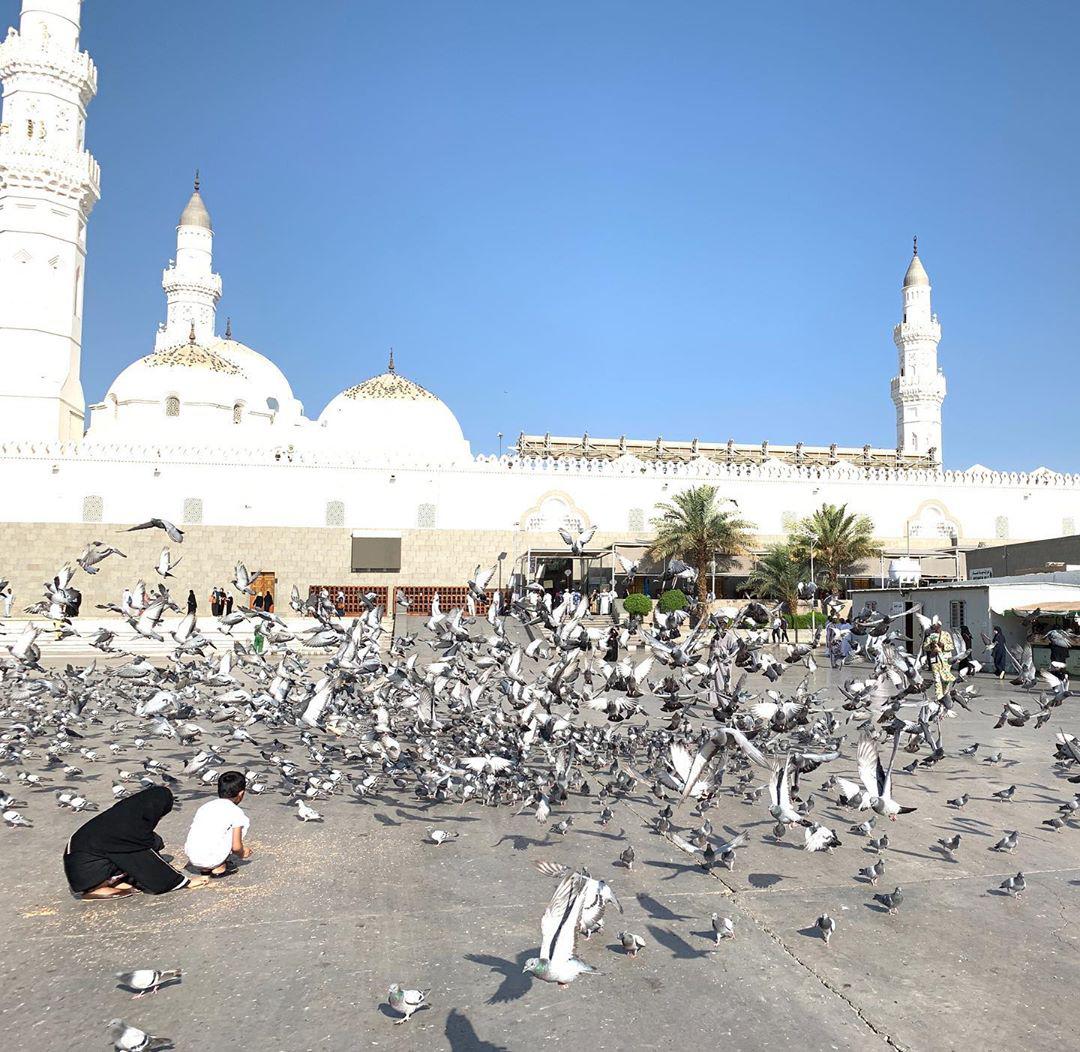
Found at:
(982, 573)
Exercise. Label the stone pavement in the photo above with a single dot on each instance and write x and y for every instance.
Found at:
(296, 951)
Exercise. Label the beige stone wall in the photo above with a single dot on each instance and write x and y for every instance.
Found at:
(31, 553)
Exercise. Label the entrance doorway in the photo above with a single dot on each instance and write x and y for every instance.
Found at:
(265, 581)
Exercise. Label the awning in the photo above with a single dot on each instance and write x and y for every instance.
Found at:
(1059, 609)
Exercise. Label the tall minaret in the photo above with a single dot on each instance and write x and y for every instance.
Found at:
(48, 186)
(192, 289)
(919, 390)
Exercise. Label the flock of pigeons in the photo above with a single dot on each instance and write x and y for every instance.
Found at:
(516, 709)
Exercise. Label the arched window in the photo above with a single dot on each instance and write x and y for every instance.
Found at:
(172, 406)
(238, 412)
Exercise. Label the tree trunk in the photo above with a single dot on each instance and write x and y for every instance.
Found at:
(793, 606)
(702, 587)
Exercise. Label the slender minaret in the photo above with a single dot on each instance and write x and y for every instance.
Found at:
(48, 186)
(192, 289)
(919, 390)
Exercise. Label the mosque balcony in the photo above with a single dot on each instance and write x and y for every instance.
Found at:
(74, 175)
(917, 332)
(176, 282)
(22, 57)
(918, 388)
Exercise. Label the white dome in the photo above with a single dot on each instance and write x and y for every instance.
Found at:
(223, 392)
(390, 417)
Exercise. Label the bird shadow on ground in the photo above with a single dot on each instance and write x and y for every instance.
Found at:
(514, 982)
(811, 932)
(603, 836)
(675, 867)
(657, 910)
(709, 935)
(385, 820)
(875, 907)
(763, 880)
(912, 854)
(427, 818)
(520, 842)
(679, 947)
(462, 1037)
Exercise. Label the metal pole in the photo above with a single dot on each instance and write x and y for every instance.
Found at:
(813, 598)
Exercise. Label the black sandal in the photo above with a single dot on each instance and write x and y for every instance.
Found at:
(228, 871)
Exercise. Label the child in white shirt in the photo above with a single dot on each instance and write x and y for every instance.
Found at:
(218, 829)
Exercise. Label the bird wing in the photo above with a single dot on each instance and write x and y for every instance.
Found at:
(871, 772)
(481, 580)
(681, 761)
(565, 535)
(558, 927)
(586, 536)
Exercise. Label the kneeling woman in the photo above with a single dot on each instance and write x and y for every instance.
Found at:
(117, 851)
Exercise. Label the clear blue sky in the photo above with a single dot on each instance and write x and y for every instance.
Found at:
(646, 218)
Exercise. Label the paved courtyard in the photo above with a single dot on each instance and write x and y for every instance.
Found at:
(297, 950)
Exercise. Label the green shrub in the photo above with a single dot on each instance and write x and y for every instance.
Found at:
(673, 599)
(803, 620)
(637, 604)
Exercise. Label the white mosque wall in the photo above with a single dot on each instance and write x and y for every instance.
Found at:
(69, 483)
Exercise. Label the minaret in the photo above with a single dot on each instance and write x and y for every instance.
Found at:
(919, 390)
(192, 289)
(48, 186)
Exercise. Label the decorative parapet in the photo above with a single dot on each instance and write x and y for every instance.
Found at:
(626, 466)
(40, 58)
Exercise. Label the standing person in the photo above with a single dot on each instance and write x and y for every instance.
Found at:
(118, 850)
(258, 603)
(8, 597)
(777, 621)
(228, 603)
(258, 640)
(75, 605)
(192, 602)
(999, 652)
(268, 602)
(611, 654)
(215, 610)
(967, 663)
(339, 603)
(783, 622)
(1059, 654)
(938, 648)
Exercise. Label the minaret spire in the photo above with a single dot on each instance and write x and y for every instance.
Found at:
(192, 289)
(914, 240)
(390, 366)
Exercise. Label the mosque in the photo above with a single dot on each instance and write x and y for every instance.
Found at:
(380, 490)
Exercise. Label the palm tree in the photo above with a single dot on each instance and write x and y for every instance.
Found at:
(776, 576)
(841, 539)
(695, 530)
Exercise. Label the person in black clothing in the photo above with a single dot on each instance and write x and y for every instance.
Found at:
(228, 603)
(76, 602)
(192, 603)
(258, 604)
(118, 850)
(612, 652)
(215, 603)
(268, 603)
(966, 663)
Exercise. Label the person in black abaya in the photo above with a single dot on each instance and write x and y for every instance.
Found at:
(118, 850)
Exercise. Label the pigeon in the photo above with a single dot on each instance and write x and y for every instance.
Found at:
(1008, 842)
(971, 750)
(891, 900)
(127, 1038)
(631, 943)
(558, 961)
(14, 819)
(723, 928)
(441, 836)
(307, 813)
(627, 857)
(819, 838)
(873, 873)
(1005, 794)
(950, 846)
(827, 926)
(405, 1001)
(147, 980)
(960, 801)
(880, 843)
(175, 535)
(1014, 886)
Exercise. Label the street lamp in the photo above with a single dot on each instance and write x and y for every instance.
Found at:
(813, 584)
(500, 443)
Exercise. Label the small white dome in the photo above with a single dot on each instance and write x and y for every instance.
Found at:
(223, 392)
(390, 417)
(916, 273)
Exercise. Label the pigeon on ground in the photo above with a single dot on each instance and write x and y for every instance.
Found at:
(558, 961)
(960, 801)
(1015, 886)
(306, 813)
(875, 872)
(1008, 842)
(127, 1038)
(949, 846)
(627, 857)
(827, 926)
(405, 1001)
(441, 836)
(147, 980)
(1005, 794)
(723, 928)
(890, 899)
(631, 943)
